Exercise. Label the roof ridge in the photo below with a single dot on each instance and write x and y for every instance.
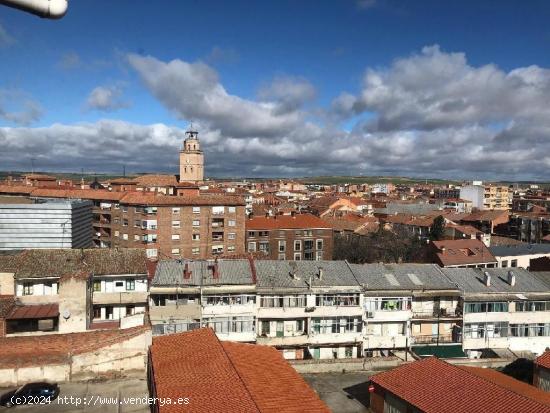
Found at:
(236, 370)
(496, 384)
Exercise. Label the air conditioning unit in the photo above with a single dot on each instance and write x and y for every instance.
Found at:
(370, 314)
(310, 309)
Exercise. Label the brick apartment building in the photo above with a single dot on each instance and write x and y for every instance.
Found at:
(290, 237)
(198, 226)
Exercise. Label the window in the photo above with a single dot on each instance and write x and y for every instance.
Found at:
(488, 307)
(124, 208)
(195, 251)
(263, 233)
(231, 209)
(281, 257)
(251, 246)
(229, 299)
(175, 237)
(175, 210)
(125, 236)
(151, 252)
(175, 251)
(532, 305)
(125, 222)
(196, 210)
(175, 224)
(388, 304)
(514, 263)
(137, 223)
(504, 263)
(230, 248)
(231, 235)
(282, 246)
(117, 206)
(336, 325)
(196, 223)
(130, 284)
(297, 245)
(263, 246)
(196, 237)
(97, 286)
(136, 237)
(319, 255)
(218, 210)
(349, 352)
(97, 312)
(231, 223)
(251, 233)
(117, 233)
(283, 301)
(319, 244)
(297, 256)
(322, 300)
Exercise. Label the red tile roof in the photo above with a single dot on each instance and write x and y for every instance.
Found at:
(33, 311)
(56, 348)
(435, 386)
(229, 377)
(462, 252)
(544, 359)
(299, 221)
(510, 383)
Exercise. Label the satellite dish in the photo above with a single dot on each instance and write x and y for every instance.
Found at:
(66, 314)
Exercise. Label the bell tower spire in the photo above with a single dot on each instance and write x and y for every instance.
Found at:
(191, 158)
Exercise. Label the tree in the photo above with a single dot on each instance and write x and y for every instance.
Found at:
(382, 246)
(437, 230)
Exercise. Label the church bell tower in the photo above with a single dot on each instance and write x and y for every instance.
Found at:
(191, 159)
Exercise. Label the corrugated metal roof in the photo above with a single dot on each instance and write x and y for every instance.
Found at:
(470, 280)
(519, 249)
(230, 272)
(34, 311)
(401, 276)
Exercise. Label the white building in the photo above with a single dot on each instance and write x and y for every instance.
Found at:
(519, 255)
(46, 224)
(473, 193)
(503, 309)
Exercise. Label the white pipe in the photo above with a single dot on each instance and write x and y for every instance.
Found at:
(51, 9)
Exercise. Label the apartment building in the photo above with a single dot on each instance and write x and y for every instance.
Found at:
(290, 237)
(65, 291)
(309, 309)
(530, 227)
(407, 305)
(487, 197)
(519, 255)
(220, 294)
(48, 223)
(503, 309)
(196, 227)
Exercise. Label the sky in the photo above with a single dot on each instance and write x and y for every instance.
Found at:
(452, 89)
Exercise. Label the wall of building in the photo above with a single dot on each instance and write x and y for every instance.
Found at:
(53, 224)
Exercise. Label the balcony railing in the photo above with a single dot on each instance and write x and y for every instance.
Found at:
(436, 313)
(435, 339)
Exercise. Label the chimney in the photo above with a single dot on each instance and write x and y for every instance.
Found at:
(486, 278)
(511, 278)
(215, 272)
(320, 273)
(186, 272)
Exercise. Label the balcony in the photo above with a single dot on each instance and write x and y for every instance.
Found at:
(217, 236)
(296, 340)
(217, 223)
(435, 339)
(436, 313)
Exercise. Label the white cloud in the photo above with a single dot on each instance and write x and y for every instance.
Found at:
(19, 107)
(70, 60)
(429, 114)
(193, 92)
(106, 99)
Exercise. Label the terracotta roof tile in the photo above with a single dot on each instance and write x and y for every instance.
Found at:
(435, 386)
(544, 359)
(55, 348)
(229, 377)
(462, 252)
(299, 221)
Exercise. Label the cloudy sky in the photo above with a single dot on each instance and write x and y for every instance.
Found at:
(372, 87)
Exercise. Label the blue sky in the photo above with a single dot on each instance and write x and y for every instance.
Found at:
(50, 69)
